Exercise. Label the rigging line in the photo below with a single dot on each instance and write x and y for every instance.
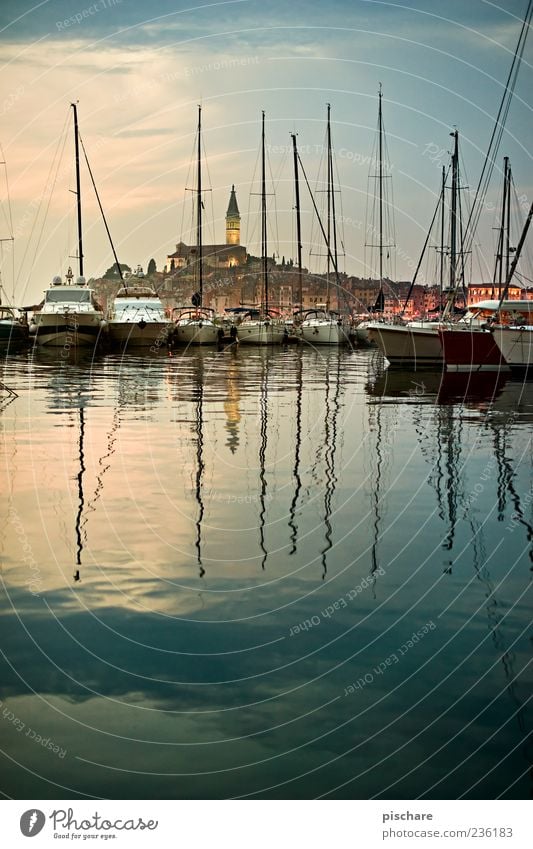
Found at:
(10, 219)
(252, 225)
(415, 275)
(184, 203)
(101, 208)
(274, 187)
(516, 257)
(319, 219)
(59, 152)
(497, 132)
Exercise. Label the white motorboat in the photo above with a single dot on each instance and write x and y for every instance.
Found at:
(137, 318)
(70, 315)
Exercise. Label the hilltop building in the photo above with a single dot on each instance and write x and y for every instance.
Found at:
(230, 255)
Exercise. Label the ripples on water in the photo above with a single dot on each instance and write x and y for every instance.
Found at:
(213, 564)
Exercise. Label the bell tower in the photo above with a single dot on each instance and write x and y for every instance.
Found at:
(233, 221)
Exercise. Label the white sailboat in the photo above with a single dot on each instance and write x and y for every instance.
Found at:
(516, 343)
(321, 326)
(262, 326)
(381, 227)
(196, 326)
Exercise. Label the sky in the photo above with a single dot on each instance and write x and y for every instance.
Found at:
(139, 71)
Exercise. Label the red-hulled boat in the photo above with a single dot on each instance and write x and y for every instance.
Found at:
(469, 345)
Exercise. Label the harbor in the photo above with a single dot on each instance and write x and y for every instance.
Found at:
(290, 570)
(266, 402)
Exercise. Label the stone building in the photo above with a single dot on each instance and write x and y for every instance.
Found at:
(229, 255)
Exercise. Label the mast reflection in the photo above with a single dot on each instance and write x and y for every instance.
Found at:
(330, 440)
(81, 497)
(200, 463)
(263, 406)
(297, 452)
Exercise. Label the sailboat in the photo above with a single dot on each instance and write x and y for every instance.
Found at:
(13, 330)
(361, 331)
(262, 326)
(196, 326)
(469, 345)
(321, 326)
(417, 343)
(516, 342)
(70, 315)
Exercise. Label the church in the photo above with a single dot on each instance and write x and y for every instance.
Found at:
(214, 256)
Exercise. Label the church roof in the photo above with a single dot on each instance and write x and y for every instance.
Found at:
(233, 209)
(185, 251)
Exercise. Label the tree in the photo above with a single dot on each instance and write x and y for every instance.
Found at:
(112, 273)
(152, 268)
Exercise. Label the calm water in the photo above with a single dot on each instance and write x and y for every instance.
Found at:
(214, 564)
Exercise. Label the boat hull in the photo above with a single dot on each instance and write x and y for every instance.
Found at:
(261, 333)
(470, 350)
(323, 333)
(72, 330)
(361, 334)
(403, 345)
(12, 333)
(197, 333)
(516, 346)
(139, 333)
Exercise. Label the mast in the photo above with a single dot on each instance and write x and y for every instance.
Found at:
(453, 222)
(380, 184)
(516, 258)
(328, 224)
(442, 219)
(199, 211)
(508, 216)
(331, 188)
(298, 222)
(78, 187)
(503, 236)
(264, 246)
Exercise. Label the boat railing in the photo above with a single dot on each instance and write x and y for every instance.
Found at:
(192, 313)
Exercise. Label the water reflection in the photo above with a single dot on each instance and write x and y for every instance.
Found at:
(243, 506)
(297, 457)
(331, 443)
